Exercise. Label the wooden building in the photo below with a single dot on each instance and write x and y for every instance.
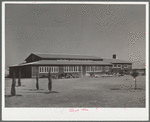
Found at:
(59, 64)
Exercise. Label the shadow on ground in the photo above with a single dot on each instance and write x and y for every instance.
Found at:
(136, 90)
(33, 89)
(52, 92)
(115, 88)
(129, 89)
(21, 86)
(13, 96)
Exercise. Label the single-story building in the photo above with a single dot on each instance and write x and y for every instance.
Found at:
(76, 65)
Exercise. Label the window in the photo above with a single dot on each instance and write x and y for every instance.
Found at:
(64, 69)
(125, 66)
(56, 69)
(115, 65)
(48, 69)
(119, 65)
(40, 69)
(71, 68)
(93, 68)
(44, 69)
(88, 68)
(106, 68)
(97, 68)
(52, 69)
(75, 68)
(81, 68)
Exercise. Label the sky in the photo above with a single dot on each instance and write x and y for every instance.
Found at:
(94, 29)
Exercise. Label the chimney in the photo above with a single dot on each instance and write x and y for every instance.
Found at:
(114, 56)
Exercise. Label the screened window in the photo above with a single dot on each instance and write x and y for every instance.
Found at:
(40, 69)
(88, 68)
(76, 68)
(97, 68)
(71, 68)
(44, 69)
(81, 68)
(106, 68)
(52, 69)
(56, 69)
(115, 65)
(68, 69)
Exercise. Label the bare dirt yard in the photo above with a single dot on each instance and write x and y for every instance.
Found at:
(78, 92)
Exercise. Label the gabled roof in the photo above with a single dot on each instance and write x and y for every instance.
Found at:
(63, 56)
(116, 61)
(52, 62)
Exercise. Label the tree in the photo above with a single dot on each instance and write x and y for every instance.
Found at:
(37, 82)
(19, 80)
(49, 81)
(13, 91)
(134, 75)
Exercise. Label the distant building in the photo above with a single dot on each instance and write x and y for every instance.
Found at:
(76, 65)
(119, 65)
(140, 68)
(6, 73)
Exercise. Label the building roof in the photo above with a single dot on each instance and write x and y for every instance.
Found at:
(116, 61)
(52, 62)
(63, 56)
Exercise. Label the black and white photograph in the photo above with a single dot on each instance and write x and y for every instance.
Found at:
(75, 60)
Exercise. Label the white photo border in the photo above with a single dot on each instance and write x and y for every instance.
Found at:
(89, 114)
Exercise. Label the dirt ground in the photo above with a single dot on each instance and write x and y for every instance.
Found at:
(78, 92)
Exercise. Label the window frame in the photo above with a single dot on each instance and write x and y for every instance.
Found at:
(106, 68)
(45, 69)
(125, 66)
(119, 65)
(97, 68)
(115, 65)
(88, 67)
(71, 68)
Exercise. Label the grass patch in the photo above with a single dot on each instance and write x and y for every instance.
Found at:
(78, 92)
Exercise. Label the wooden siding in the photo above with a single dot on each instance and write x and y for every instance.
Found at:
(31, 71)
(11, 69)
(25, 71)
(35, 70)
